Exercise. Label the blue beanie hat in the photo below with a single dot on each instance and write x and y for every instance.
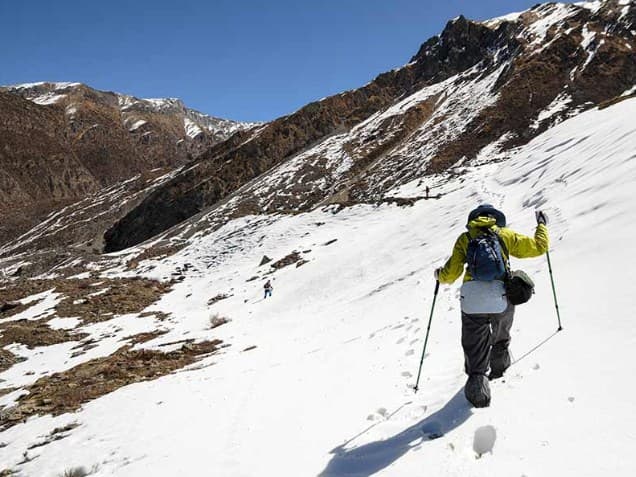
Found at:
(487, 210)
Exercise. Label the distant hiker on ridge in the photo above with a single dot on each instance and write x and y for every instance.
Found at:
(427, 191)
(486, 310)
(268, 289)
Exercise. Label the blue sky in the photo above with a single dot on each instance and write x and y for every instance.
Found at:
(240, 59)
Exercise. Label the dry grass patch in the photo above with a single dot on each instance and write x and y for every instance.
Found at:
(91, 299)
(7, 359)
(56, 434)
(143, 337)
(217, 320)
(153, 252)
(67, 391)
(34, 333)
(4, 391)
(158, 315)
(219, 297)
(80, 471)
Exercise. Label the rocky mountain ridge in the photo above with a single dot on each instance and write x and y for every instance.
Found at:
(62, 142)
(478, 87)
(472, 93)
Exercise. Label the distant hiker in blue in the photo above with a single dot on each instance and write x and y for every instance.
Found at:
(268, 289)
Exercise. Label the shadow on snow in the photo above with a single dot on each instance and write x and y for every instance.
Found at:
(370, 458)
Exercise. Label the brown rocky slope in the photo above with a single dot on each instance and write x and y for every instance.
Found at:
(503, 81)
(60, 142)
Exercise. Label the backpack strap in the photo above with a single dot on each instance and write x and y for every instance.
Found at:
(505, 251)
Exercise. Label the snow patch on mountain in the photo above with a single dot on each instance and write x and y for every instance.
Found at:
(195, 122)
(191, 128)
(551, 14)
(42, 307)
(510, 17)
(558, 105)
(48, 98)
(55, 86)
(594, 6)
(63, 323)
(136, 125)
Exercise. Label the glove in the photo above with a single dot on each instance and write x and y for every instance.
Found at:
(436, 273)
(542, 217)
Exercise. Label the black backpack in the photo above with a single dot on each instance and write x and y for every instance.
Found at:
(518, 285)
(485, 257)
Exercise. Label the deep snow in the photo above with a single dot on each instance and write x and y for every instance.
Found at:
(328, 388)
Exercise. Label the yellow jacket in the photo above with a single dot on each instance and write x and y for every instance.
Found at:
(518, 245)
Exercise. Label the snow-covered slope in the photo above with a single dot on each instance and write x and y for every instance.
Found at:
(318, 379)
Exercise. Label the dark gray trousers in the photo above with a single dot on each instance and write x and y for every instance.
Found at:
(485, 339)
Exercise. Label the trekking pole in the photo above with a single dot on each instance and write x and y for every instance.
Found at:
(556, 303)
(428, 329)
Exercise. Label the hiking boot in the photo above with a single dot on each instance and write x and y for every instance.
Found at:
(499, 362)
(477, 390)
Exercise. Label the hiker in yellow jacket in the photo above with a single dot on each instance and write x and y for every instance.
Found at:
(486, 333)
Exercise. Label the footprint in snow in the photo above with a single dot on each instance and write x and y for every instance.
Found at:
(407, 374)
(382, 412)
(400, 341)
(409, 352)
(484, 440)
(432, 430)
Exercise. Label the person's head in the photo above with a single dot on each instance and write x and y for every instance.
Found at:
(487, 210)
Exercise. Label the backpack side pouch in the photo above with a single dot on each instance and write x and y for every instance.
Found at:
(519, 287)
(483, 297)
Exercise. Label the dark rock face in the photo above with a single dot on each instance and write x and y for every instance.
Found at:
(534, 81)
(461, 45)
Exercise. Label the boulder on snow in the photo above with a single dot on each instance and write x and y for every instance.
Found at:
(287, 260)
